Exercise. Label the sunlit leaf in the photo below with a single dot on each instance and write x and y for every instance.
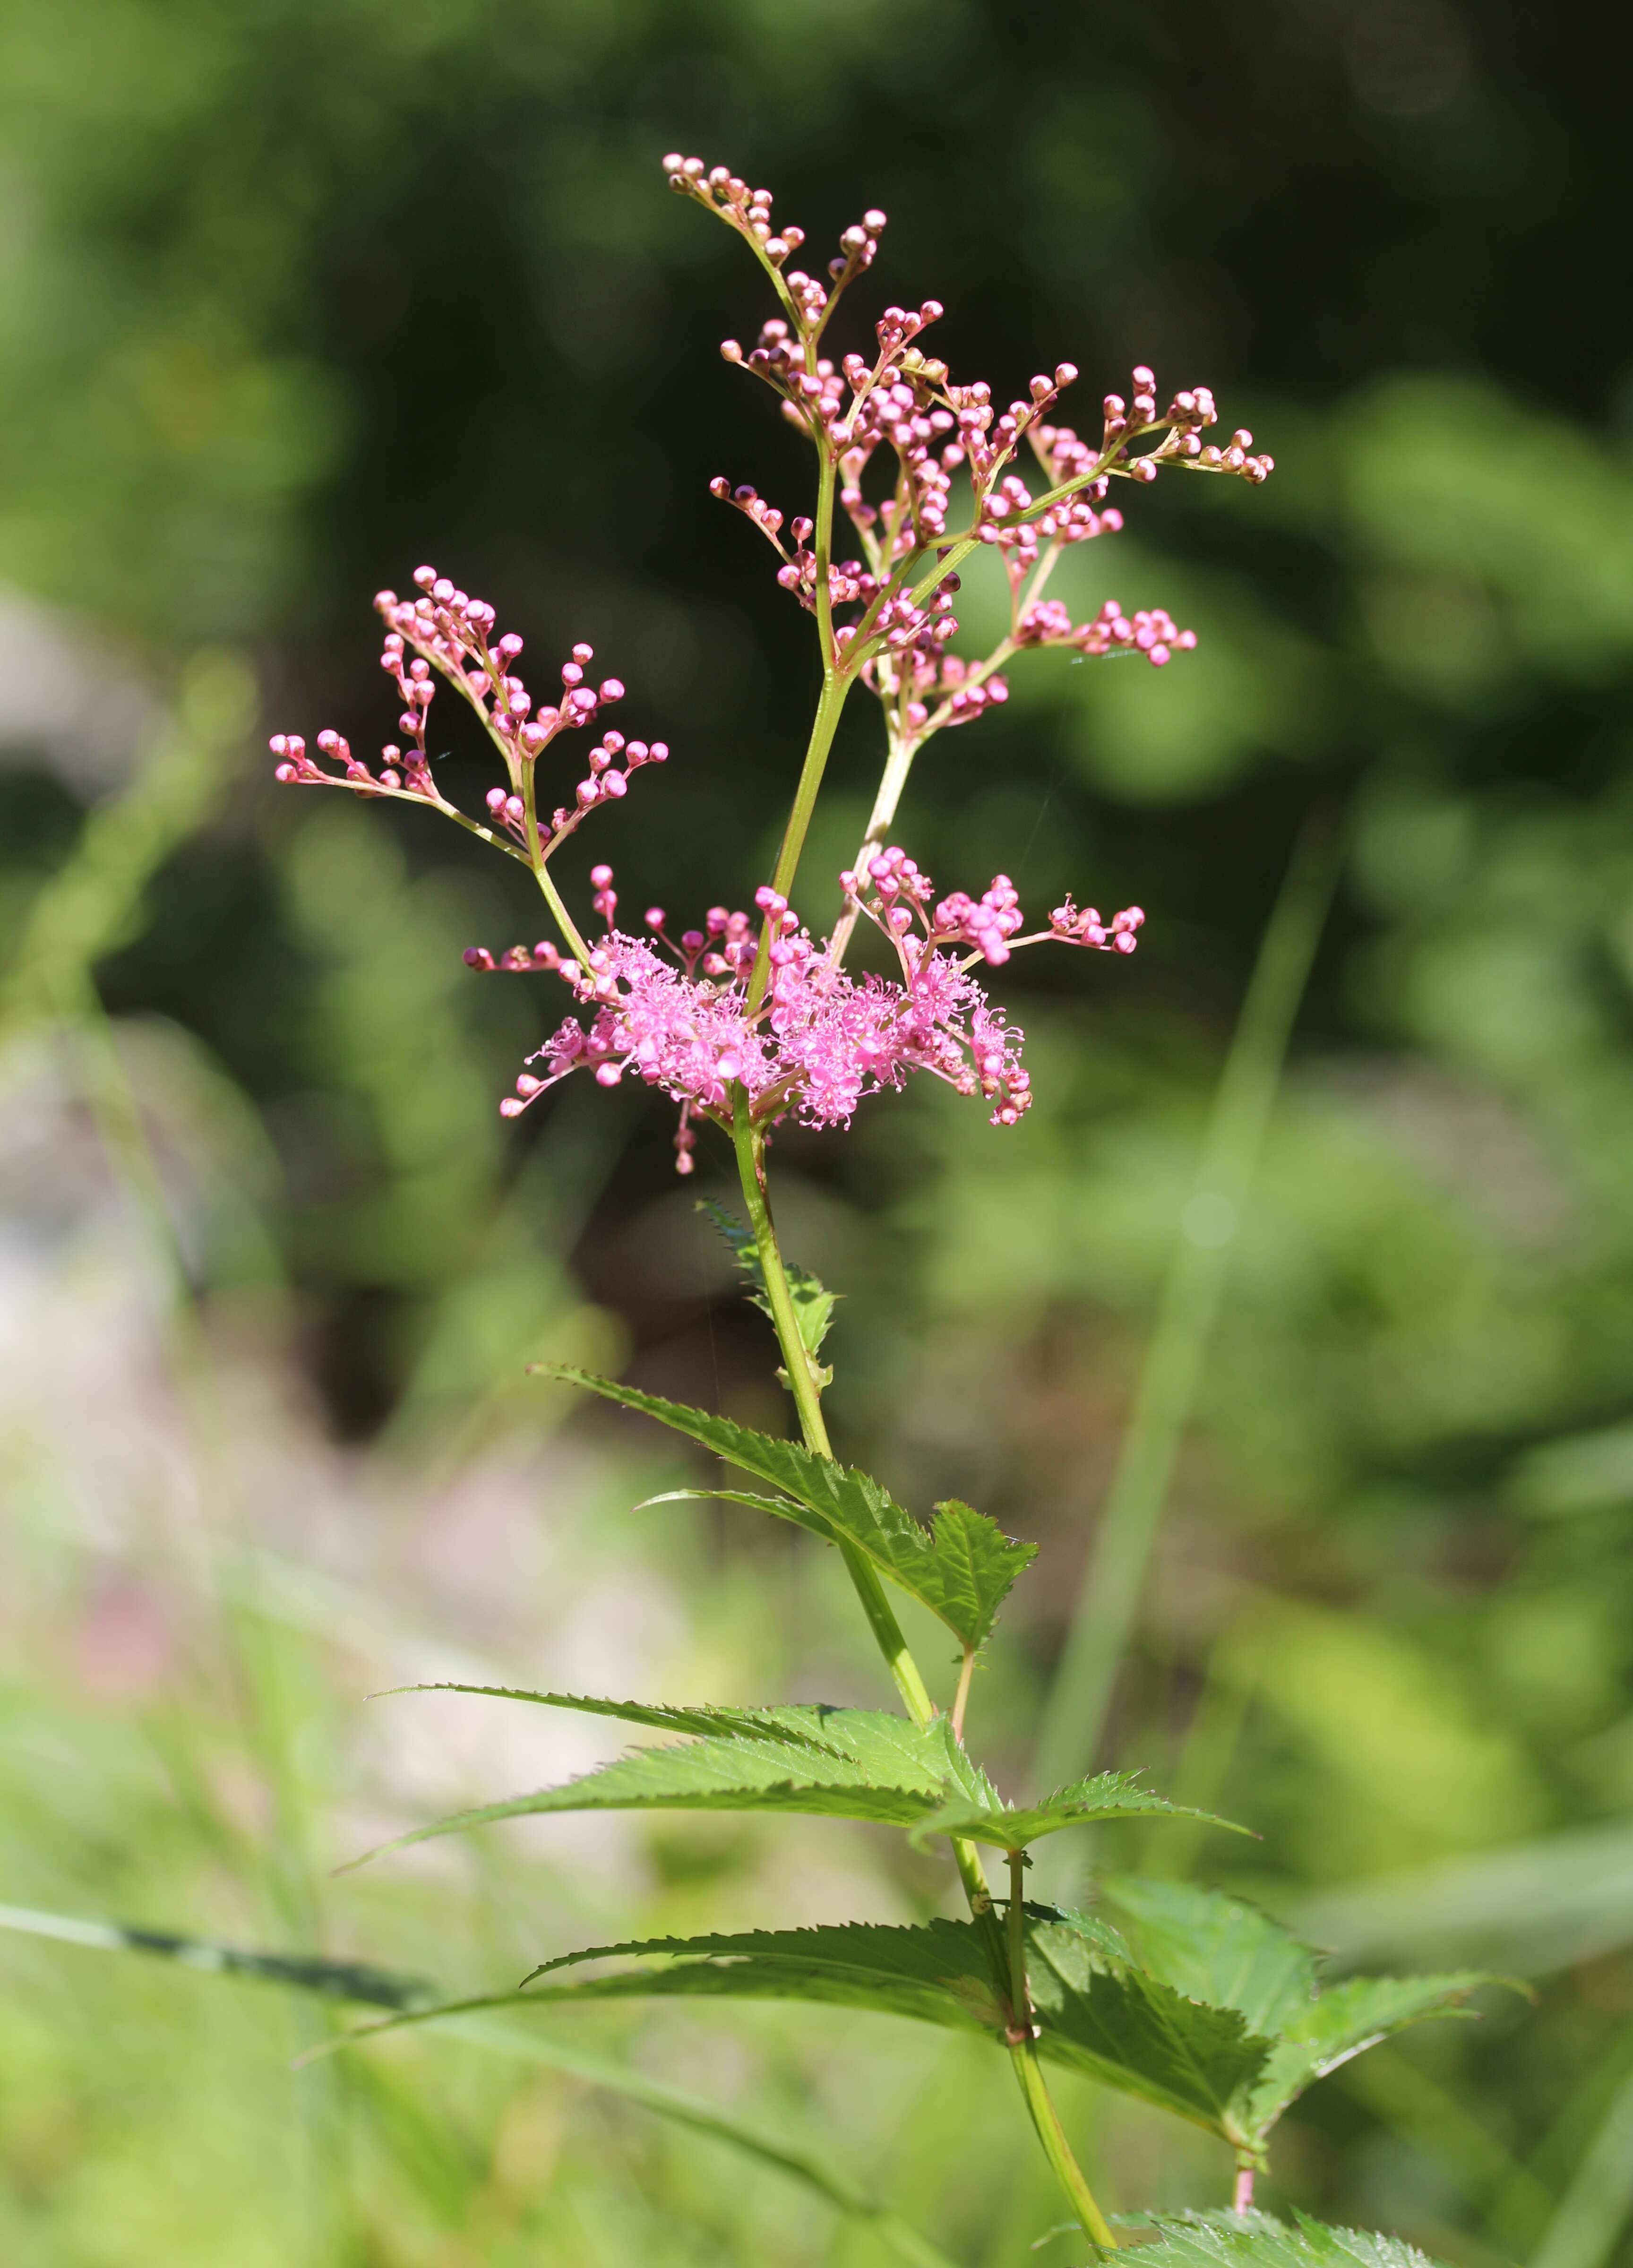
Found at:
(836, 1764)
(1096, 2011)
(1218, 1948)
(1255, 2240)
(1108, 1795)
(961, 1567)
(1115, 2022)
(708, 1718)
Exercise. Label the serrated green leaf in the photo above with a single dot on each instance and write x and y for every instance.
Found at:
(1097, 2013)
(414, 1997)
(835, 1763)
(665, 1716)
(1347, 2020)
(814, 1306)
(1218, 1948)
(961, 1567)
(1255, 2240)
(1107, 1795)
(935, 1971)
(1222, 1949)
(780, 1507)
(1117, 2023)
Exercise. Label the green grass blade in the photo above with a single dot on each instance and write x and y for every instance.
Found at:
(473, 2021)
(1588, 2221)
(1074, 1716)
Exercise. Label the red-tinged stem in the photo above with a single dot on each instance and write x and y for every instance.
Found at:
(1241, 2201)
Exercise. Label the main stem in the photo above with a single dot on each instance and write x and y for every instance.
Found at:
(1007, 1958)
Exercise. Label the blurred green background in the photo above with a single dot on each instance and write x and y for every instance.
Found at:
(294, 295)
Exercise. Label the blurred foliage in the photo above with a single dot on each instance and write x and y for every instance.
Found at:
(292, 295)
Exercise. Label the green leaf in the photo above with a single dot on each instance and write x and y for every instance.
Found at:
(1108, 1795)
(814, 1307)
(1223, 1950)
(1347, 2020)
(665, 1716)
(472, 2021)
(1115, 2022)
(1097, 2013)
(935, 1971)
(1255, 2240)
(836, 1764)
(961, 1567)
(1218, 1948)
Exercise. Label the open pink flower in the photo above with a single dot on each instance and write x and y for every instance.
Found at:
(808, 1041)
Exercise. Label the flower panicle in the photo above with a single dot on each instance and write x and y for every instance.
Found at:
(903, 409)
(446, 634)
(677, 1013)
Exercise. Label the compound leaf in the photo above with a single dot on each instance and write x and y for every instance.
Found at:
(1096, 2012)
(707, 1718)
(961, 1567)
(936, 1971)
(1107, 1795)
(838, 1763)
(1255, 2240)
(1221, 1949)
(1218, 1948)
(1347, 2020)
(1115, 2022)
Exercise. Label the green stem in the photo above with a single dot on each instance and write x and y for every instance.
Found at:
(1057, 2148)
(1028, 2070)
(1002, 1958)
(563, 920)
(836, 683)
(750, 1147)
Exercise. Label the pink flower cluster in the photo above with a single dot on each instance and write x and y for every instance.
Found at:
(445, 633)
(813, 1042)
(904, 404)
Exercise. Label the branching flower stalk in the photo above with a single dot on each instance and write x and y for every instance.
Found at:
(746, 1021)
